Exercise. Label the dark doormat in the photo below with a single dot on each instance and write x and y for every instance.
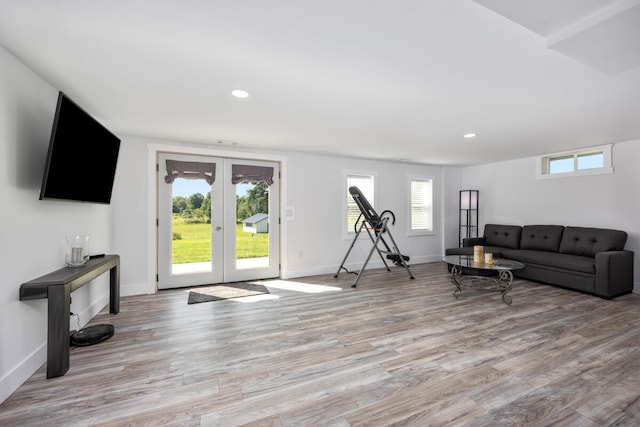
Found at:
(225, 291)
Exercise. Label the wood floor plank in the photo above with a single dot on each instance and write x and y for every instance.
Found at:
(394, 351)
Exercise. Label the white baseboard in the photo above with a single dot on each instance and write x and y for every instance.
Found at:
(90, 312)
(17, 376)
(131, 289)
(332, 269)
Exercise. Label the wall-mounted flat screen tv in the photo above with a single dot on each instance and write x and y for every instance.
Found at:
(82, 157)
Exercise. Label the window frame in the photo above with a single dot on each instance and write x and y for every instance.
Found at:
(421, 232)
(543, 163)
(347, 232)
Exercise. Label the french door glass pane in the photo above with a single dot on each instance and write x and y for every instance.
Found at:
(191, 226)
(252, 225)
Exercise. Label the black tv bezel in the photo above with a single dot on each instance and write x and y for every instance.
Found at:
(105, 196)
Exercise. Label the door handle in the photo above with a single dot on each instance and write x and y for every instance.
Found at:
(218, 228)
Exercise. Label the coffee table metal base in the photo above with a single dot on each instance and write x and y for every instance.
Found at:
(501, 283)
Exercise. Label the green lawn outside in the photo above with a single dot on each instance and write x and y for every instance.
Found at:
(195, 243)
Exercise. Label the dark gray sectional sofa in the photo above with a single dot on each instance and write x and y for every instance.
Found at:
(591, 260)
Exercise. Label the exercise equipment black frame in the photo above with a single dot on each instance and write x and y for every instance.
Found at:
(377, 225)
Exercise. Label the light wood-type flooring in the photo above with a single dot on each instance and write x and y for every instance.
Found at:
(316, 352)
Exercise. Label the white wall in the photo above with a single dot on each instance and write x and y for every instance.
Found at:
(33, 231)
(316, 190)
(130, 222)
(510, 194)
(312, 186)
(452, 187)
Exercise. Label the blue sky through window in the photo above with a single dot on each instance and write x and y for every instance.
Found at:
(561, 165)
(567, 164)
(590, 161)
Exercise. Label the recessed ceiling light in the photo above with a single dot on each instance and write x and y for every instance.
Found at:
(470, 135)
(239, 93)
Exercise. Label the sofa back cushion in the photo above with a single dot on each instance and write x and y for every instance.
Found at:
(589, 241)
(541, 237)
(504, 236)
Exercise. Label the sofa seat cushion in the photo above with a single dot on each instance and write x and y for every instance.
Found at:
(589, 241)
(541, 237)
(502, 236)
(552, 259)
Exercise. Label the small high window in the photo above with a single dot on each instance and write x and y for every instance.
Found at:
(588, 161)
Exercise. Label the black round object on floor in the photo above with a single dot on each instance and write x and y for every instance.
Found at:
(92, 335)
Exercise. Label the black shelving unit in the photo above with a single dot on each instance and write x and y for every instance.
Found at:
(468, 214)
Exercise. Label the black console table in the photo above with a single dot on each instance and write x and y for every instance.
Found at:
(56, 287)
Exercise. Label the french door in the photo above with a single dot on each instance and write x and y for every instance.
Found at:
(218, 220)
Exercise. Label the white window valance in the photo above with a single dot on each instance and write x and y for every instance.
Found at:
(190, 170)
(253, 174)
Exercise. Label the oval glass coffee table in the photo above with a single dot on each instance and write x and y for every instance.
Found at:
(501, 282)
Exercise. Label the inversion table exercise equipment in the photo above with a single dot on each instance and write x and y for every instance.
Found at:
(375, 225)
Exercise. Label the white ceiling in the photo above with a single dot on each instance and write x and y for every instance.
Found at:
(604, 34)
(367, 78)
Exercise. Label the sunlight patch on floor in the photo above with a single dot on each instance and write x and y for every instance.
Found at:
(306, 288)
(256, 298)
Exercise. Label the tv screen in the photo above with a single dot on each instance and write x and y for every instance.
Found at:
(82, 157)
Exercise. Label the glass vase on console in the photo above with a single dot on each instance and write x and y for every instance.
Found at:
(77, 250)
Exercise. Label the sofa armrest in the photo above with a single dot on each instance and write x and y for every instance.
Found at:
(614, 273)
(472, 241)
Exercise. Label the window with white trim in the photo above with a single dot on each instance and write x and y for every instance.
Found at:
(421, 206)
(366, 184)
(587, 161)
